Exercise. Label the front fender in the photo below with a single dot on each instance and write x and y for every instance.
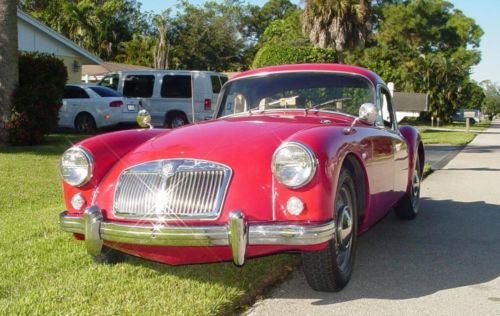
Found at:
(107, 150)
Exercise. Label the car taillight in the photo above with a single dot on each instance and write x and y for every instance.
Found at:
(115, 104)
(207, 104)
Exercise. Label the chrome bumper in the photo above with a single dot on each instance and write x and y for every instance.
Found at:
(237, 233)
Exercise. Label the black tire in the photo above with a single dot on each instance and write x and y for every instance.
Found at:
(176, 119)
(109, 256)
(330, 269)
(407, 207)
(85, 123)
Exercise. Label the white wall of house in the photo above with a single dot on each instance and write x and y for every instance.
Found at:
(34, 36)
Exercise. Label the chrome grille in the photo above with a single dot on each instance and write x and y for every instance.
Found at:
(172, 189)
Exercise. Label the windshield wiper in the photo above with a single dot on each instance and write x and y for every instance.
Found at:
(317, 106)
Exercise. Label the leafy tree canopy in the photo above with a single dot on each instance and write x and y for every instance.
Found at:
(426, 46)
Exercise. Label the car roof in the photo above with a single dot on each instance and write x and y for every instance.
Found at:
(370, 75)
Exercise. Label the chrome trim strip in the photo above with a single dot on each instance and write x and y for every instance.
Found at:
(238, 234)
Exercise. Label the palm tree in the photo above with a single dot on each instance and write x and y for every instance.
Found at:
(338, 24)
(8, 61)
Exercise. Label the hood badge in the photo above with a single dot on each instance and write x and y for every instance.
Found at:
(168, 169)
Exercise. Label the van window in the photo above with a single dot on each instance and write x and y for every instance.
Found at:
(175, 86)
(139, 86)
(110, 81)
(215, 84)
(223, 79)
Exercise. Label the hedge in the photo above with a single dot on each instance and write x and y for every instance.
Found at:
(272, 55)
(37, 99)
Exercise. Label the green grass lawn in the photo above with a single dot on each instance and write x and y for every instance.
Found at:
(481, 126)
(445, 137)
(44, 271)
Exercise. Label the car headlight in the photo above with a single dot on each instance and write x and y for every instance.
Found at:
(76, 166)
(294, 164)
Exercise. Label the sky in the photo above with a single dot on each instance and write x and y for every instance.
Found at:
(486, 13)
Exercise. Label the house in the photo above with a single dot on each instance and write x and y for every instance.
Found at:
(34, 36)
(94, 73)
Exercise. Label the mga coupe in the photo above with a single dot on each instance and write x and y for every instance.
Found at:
(297, 158)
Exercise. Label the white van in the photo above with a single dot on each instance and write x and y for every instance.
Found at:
(172, 97)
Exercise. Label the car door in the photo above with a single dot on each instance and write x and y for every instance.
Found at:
(75, 100)
(398, 143)
(400, 147)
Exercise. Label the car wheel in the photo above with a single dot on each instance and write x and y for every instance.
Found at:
(175, 120)
(330, 269)
(109, 256)
(85, 123)
(407, 207)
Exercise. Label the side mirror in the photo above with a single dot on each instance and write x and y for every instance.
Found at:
(143, 119)
(368, 113)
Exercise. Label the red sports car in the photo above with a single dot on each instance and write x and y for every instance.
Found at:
(298, 158)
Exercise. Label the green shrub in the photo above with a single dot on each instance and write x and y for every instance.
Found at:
(272, 55)
(37, 98)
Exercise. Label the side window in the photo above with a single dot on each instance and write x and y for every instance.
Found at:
(216, 85)
(223, 80)
(176, 86)
(110, 81)
(386, 117)
(139, 86)
(72, 92)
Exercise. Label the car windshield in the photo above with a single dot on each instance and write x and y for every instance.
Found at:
(105, 92)
(338, 92)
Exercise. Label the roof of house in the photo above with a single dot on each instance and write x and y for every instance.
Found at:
(87, 56)
(410, 102)
(107, 67)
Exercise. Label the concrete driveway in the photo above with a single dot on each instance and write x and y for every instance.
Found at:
(446, 262)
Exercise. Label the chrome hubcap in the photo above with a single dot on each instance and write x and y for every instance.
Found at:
(344, 228)
(415, 196)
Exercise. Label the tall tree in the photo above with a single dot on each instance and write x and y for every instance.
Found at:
(8, 61)
(338, 24)
(426, 46)
(162, 47)
(207, 37)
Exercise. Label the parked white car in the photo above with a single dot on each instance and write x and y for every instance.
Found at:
(89, 107)
(172, 97)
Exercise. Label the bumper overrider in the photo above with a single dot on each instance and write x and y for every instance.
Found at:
(236, 234)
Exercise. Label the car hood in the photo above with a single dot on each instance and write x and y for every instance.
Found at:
(223, 140)
(244, 144)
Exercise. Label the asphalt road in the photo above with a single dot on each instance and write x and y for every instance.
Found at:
(439, 155)
(445, 262)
